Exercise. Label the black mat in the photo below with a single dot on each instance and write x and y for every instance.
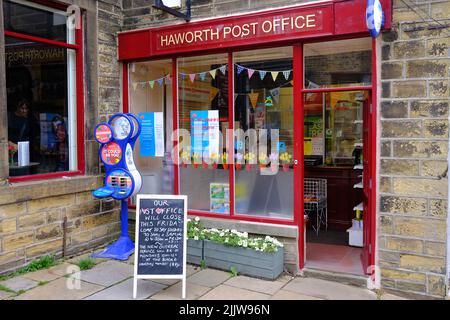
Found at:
(327, 237)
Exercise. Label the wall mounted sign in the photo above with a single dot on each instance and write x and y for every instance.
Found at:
(161, 228)
(152, 134)
(374, 17)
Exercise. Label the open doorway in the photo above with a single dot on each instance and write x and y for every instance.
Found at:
(336, 140)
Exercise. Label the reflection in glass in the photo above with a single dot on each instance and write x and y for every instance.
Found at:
(203, 113)
(264, 101)
(338, 63)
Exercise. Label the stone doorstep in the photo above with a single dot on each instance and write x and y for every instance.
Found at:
(349, 279)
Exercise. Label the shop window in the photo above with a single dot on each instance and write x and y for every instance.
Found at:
(150, 88)
(263, 114)
(41, 92)
(35, 20)
(203, 122)
(340, 63)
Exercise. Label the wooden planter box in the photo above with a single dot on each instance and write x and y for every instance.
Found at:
(194, 251)
(247, 261)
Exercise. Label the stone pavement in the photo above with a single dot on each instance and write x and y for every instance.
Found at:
(113, 280)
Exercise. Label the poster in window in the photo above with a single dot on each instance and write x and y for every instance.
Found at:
(219, 197)
(205, 132)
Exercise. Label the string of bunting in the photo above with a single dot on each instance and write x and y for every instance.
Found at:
(254, 96)
(151, 83)
(202, 75)
(263, 73)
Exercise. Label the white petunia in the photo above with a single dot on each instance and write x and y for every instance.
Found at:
(197, 219)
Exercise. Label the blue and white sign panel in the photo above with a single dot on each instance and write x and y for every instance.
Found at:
(205, 132)
(374, 17)
(152, 134)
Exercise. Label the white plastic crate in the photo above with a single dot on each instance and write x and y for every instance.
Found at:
(357, 224)
(355, 237)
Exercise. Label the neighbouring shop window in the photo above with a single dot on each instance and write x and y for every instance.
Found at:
(340, 63)
(41, 93)
(203, 121)
(263, 110)
(150, 88)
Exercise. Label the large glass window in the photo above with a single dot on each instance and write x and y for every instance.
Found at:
(264, 136)
(203, 120)
(151, 101)
(339, 63)
(41, 92)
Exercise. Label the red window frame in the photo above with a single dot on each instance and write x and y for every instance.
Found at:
(78, 48)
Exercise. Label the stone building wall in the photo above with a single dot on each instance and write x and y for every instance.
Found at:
(413, 148)
(59, 216)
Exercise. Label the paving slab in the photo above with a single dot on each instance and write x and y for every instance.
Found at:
(224, 292)
(191, 269)
(388, 296)
(84, 256)
(19, 283)
(166, 282)
(328, 290)
(5, 295)
(289, 295)
(59, 290)
(107, 273)
(50, 274)
(124, 291)
(263, 286)
(209, 277)
(193, 291)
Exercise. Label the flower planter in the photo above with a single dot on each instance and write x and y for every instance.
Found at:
(285, 167)
(247, 261)
(225, 166)
(205, 165)
(248, 167)
(194, 253)
(238, 166)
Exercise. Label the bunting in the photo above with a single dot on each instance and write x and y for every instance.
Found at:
(202, 76)
(152, 83)
(142, 84)
(250, 72)
(223, 69)
(239, 69)
(253, 98)
(274, 75)
(262, 74)
(287, 74)
(192, 77)
(213, 73)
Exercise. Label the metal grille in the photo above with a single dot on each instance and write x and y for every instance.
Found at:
(315, 201)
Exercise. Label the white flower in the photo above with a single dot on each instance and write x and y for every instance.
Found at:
(245, 234)
(234, 231)
(245, 243)
(197, 219)
(189, 220)
(222, 234)
(196, 238)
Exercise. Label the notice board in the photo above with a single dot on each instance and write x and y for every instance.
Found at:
(160, 241)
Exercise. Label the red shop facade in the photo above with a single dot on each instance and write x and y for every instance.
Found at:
(284, 69)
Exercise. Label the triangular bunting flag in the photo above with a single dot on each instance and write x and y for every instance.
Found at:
(152, 83)
(142, 84)
(213, 91)
(192, 77)
(250, 72)
(287, 74)
(275, 93)
(213, 73)
(203, 76)
(168, 79)
(160, 81)
(262, 74)
(240, 69)
(183, 75)
(223, 68)
(274, 75)
(134, 84)
(253, 98)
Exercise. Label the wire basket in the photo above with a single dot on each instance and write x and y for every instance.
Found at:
(315, 192)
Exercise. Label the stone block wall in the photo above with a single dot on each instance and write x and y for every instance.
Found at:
(413, 125)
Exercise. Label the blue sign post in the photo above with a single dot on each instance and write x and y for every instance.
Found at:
(122, 180)
(374, 17)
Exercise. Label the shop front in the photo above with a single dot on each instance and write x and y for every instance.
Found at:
(266, 119)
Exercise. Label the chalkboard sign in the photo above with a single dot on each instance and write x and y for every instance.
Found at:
(160, 241)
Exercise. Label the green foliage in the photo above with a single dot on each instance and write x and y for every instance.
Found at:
(203, 264)
(86, 264)
(231, 237)
(42, 283)
(233, 271)
(6, 289)
(41, 263)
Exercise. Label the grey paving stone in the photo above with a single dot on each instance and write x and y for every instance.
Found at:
(224, 292)
(263, 286)
(19, 283)
(5, 295)
(51, 273)
(124, 291)
(60, 290)
(290, 295)
(108, 273)
(209, 277)
(328, 290)
(193, 291)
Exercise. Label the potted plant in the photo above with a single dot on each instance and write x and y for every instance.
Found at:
(273, 161)
(12, 150)
(260, 256)
(225, 160)
(249, 157)
(185, 158)
(215, 159)
(239, 160)
(196, 159)
(262, 160)
(285, 161)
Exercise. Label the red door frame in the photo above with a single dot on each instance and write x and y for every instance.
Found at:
(79, 63)
(299, 91)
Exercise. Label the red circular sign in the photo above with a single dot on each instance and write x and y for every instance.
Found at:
(103, 133)
(111, 153)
